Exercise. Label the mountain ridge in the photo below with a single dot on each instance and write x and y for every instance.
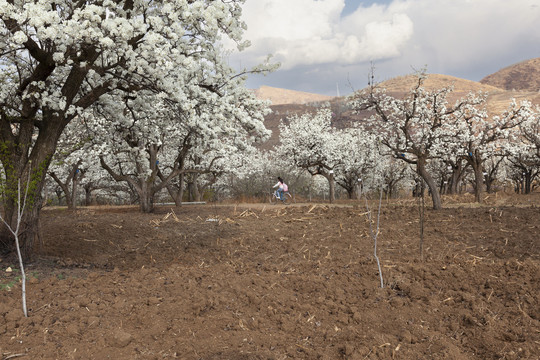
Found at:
(279, 96)
(520, 81)
(498, 98)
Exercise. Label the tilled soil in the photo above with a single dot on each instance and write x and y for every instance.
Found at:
(278, 282)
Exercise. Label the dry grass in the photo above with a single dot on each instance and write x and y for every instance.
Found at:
(437, 81)
(498, 99)
(522, 76)
(283, 96)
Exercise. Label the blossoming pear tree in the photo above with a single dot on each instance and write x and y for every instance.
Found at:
(252, 173)
(479, 137)
(361, 162)
(523, 151)
(212, 166)
(150, 140)
(311, 143)
(395, 174)
(453, 169)
(412, 127)
(60, 57)
(71, 162)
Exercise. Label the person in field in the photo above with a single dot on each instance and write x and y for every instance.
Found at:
(282, 188)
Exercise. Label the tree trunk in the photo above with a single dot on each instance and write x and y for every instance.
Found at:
(88, 196)
(350, 192)
(457, 171)
(332, 186)
(199, 192)
(528, 182)
(77, 176)
(173, 193)
(59, 194)
(180, 196)
(390, 190)
(435, 196)
(489, 183)
(478, 184)
(176, 194)
(29, 229)
(73, 194)
(67, 194)
(18, 161)
(146, 197)
(359, 190)
(28, 232)
(189, 186)
(195, 188)
(475, 160)
(72, 177)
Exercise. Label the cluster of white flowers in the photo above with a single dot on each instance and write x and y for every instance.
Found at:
(141, 81)
(423, 129)
(312, 143)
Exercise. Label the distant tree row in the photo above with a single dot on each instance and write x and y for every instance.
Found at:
(404, 143)
(442, 140)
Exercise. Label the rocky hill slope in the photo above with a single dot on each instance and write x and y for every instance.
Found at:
(523, 76)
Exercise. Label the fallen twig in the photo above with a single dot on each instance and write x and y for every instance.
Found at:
(13, 356)
(43, 307)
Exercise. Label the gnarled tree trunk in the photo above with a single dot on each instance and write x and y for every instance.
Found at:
(17, 162)
(435, 196)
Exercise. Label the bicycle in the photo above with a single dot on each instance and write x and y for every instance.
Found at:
(287, 198)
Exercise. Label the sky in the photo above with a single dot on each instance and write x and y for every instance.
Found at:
(329, 46)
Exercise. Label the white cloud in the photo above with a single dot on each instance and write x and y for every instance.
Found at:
(291, 19)
(459, 32)
(308, 32)
(464, 38)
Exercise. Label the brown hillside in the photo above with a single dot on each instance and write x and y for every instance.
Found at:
(523, 76)
(284, 96)
(498, 98)
(281, 113)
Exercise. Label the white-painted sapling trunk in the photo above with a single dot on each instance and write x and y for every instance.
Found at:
(15, 232)
(374, 235)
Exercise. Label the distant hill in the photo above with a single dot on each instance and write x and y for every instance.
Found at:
(498, 98)
(523, 76)
(283, 96)
(436, 81)
(520, 82)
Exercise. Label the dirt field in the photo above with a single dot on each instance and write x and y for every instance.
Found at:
(279, 282)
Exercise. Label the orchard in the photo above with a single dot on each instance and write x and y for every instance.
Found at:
(136, 173)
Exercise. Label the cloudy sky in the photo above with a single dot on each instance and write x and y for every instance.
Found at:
(326, 46)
